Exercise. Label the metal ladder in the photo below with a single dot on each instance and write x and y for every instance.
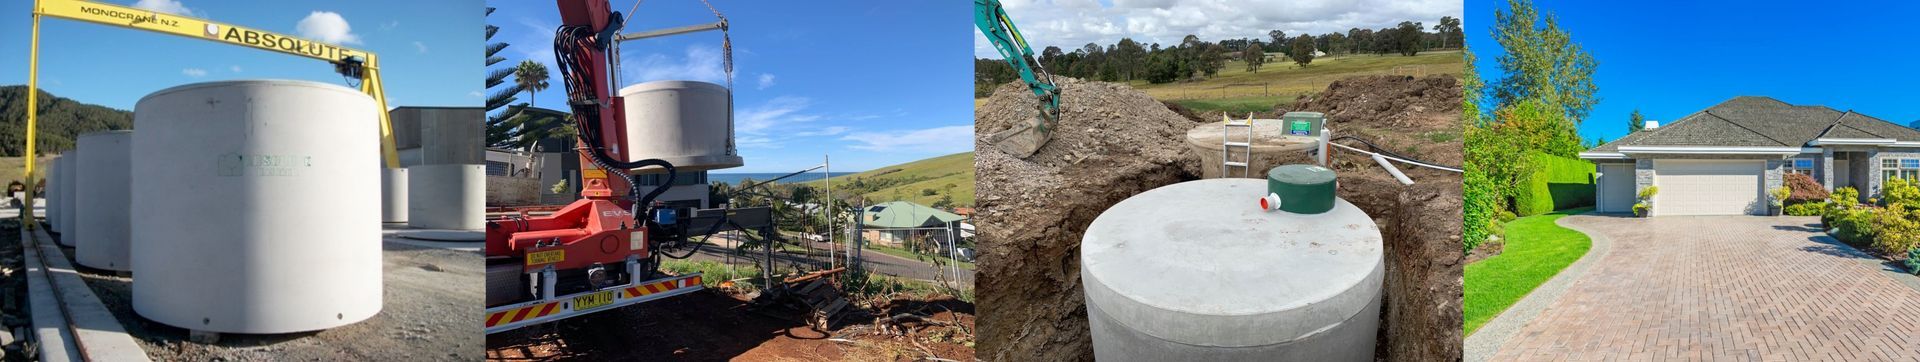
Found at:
(1227, 144)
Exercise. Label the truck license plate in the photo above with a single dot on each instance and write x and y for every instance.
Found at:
(546, 257)
(594, 300)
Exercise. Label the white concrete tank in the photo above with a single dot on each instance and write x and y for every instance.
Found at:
(1196, 271)
(393, 195)
(68, 183)
(259, 206)
(452, 197)
(688, 124)
(101, 228)
(52, 191)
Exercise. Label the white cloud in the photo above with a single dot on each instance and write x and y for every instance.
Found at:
(766, 80)
(327, 26)
(1071, 24)
(234, 68)
(390, 25)
(782, 110)
(422, 47)
(164, 6)
(939, 139)
(476, 94)
(194, 72)
(824, 131)
(701, 62)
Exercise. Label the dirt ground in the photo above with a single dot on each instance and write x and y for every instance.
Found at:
(1113, 142)
(430, 313)
(711, 325)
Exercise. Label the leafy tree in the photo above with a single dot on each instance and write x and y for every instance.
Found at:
(60, 122)
(1635, 123)
(1541, 61)
(1361, 40)
(1130, 57)
(1406, 38)
(989, 74)
(1539, 126)
(1162, 68)
(1302, 50)
(1449, 31)
(1254, 57)
(1332, 42)
(1212, 58)
(497, 97)
(1276, 37)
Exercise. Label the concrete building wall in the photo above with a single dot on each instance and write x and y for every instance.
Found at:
(440, 135)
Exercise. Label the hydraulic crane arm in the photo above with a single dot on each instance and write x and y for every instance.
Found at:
(1022, 140)
(352, 63)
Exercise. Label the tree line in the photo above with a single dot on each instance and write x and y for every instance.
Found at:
(60, 121)
(1193, 58)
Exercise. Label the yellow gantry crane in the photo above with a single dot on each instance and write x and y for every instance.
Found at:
(352, 63)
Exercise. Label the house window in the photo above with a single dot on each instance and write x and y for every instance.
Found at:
(1905, 168)
(1802, 166)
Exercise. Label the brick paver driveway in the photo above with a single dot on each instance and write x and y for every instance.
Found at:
(1723, 288)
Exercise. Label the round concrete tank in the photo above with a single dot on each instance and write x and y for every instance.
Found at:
(1272, 146)
(1196, 271)
(68, 184)
(688, 124)
(101, 226)
(259, 206)
(393, 195)
(52, 196)
(447, 196)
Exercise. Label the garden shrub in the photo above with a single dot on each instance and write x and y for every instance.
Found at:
(1901, 191)
(1844, 199)
(1913, 261)
(1804, 189)
(1807, 209)
(1556, 183)
(1854, 225)
(1896, 229)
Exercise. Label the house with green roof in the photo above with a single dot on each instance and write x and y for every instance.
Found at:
(1721, 160)
(897, 222)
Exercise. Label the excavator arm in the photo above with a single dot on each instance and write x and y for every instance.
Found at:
(1025, 139)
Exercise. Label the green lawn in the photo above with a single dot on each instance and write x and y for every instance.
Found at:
(912, 180)
(1536, 250)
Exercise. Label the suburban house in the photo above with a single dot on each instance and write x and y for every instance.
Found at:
(1721, 160)
(898, 222)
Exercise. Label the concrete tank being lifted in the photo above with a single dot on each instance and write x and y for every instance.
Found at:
(259, 206)
(1197, 271)
(101, 231)
(688, 124)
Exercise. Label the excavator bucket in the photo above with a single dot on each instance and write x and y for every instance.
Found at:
(1025, 139)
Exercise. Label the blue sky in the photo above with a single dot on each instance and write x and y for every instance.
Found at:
(1673, 58)
(429, 50)
(873, 83)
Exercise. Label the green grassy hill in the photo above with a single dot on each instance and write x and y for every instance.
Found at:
(912, 181)
(1235, 90)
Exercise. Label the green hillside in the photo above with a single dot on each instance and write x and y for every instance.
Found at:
(944, 176)
(60, 120)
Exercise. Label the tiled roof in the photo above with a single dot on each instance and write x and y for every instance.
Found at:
(1762, 122)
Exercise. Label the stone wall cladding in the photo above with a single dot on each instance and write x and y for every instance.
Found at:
(1875, 179)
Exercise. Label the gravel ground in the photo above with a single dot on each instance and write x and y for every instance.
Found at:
(432, 312)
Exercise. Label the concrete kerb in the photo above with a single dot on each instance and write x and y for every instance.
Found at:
(1484, 343)
(87, 322)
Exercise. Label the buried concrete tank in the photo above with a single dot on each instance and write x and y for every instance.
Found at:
(449, 196)
(1272, 146)
(1197, 271)
(259, 207)
(688, 124)
(393, 195)
(101, 228)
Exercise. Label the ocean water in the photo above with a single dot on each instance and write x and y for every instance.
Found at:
(734, 178)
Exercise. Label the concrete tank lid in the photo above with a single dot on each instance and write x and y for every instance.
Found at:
(253, 82)
(669, 84)
(1199, 263)
(1268, 136)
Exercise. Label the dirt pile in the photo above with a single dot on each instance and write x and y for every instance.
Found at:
(1389, 101)
(1111, 142)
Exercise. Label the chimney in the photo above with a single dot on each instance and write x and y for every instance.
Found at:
(1652, 124)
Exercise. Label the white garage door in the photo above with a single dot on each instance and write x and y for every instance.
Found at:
(1615, 192)
(1708, 187)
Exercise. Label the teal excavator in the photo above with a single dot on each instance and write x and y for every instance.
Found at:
(1023, 139)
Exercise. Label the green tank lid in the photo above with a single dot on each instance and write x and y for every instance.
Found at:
(1303, 189)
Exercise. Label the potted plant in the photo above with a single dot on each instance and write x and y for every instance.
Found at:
(1779, 199)
(1645, 207)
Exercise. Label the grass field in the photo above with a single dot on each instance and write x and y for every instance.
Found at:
(1536, 250)
(928, 174)
(1235, 90)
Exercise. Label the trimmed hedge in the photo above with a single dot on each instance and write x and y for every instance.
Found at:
(1557, 183)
